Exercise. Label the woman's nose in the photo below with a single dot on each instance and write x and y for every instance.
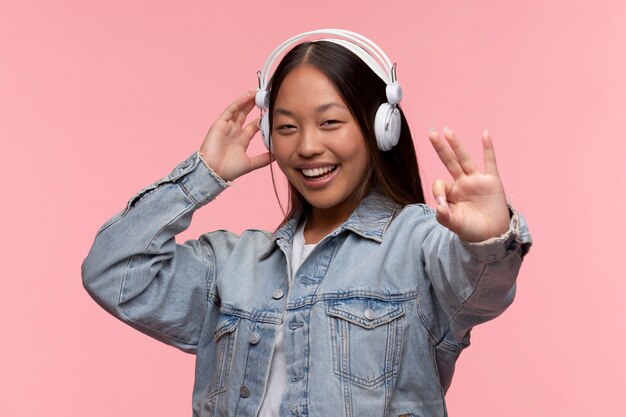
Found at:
(310, 143)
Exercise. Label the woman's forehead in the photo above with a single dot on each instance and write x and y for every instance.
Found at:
(307, 86)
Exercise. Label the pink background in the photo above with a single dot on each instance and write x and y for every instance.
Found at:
(99, 99)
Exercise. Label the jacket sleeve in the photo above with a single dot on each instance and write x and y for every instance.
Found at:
(135, 269)
(474, 282)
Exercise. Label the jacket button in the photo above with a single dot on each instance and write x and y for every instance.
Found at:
(244, 391)
(254, 338)
(369, 314)
(278, 294)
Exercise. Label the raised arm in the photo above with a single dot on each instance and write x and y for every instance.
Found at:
(137, 271)
(473, 262)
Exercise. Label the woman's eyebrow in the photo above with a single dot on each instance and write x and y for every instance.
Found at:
(319, 109)
(283, 111)
(327, 106)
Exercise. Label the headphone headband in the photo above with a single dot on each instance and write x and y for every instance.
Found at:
(344, 36)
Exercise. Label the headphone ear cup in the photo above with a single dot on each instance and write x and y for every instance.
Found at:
(387, 126)
(264, 124)
(262, 99)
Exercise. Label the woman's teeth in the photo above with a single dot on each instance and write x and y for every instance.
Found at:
(316, 172)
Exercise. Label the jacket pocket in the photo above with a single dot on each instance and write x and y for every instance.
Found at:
(224, 337)
(366, 337)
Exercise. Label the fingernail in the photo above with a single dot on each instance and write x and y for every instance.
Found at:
(431, 130)
(485, 132)
(441, 201)
(446, 128)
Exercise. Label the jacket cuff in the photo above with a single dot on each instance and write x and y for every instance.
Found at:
(198, 180)
(517, 237)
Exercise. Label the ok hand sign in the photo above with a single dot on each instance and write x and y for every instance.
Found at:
(473, 205)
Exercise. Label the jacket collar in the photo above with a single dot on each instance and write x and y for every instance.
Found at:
(370, 220)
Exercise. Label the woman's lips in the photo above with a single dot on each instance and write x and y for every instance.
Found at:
(316, 172)
(319, 181)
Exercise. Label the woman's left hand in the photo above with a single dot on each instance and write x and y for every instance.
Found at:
(473, 205)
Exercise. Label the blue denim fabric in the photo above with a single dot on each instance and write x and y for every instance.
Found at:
(374, 322)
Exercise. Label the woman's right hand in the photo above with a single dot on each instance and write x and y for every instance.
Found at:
(224, 147)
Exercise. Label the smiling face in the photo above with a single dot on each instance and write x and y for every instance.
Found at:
(317, 142)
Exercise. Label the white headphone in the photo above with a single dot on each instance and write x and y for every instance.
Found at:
(388, 120)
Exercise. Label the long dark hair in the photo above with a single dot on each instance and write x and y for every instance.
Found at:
(393, 173)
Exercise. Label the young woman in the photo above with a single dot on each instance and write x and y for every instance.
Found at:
(362, 300)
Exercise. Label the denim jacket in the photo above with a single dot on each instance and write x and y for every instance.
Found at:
(375, 318)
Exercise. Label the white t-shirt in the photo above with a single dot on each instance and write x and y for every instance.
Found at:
(277, 380)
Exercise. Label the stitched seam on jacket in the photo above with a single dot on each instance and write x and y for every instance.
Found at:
(464, 302)
(314, 298)
(432, 332)
(211, 270)
(187, 192)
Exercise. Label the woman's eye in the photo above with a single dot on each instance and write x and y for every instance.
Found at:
(330, 122)
(285, 127)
